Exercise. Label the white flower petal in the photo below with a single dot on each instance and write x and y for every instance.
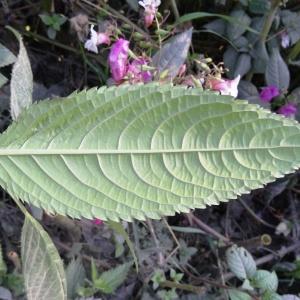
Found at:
(91, 46)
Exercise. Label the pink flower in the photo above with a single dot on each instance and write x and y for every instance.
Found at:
(268, 93)
(182, 70)
(288, 110)
(96, 40)
(150, 7)
(97, 222)
(136, 73)
(118, 59)
(225, 86)
(285, 39)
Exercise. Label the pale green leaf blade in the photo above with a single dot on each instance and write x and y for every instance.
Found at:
(6, 56)
(44, 276)
(143, 151)
(240, 262)
(265, 280)
(21, 84)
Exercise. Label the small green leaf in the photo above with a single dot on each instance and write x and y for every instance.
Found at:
(238, 295)
(43, 270)
(21, 85)
(110, 280)
(240, 262)
(266, 280)
(6, 56)
(46, 19)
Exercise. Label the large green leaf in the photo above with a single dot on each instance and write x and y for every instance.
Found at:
(143, 151)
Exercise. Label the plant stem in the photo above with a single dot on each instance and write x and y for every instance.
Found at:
(175, 9)
(185, 287)
(269, 20)
(209, 230)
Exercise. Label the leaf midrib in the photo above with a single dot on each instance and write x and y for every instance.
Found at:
(20, 152)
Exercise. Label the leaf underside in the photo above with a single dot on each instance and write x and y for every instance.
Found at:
(143, 151)
(43, 270)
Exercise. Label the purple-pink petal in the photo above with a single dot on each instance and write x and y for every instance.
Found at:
(288, 110)
(268, 93)
(118, 59)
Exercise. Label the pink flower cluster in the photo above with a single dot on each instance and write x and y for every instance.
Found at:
(224, 86)
(121, 68)
(150, 7)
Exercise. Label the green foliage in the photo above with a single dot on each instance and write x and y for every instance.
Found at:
(143, 151)
(42, 267)
(75, 275)
(107, 282)
(261, 283)
(53, 22)
(240, 262)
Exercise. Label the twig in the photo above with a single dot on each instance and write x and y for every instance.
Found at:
(185, 287)
(112, 12)
(174, 238)
(209, 230)
(253, 214)
(160, 255)
(60, 45)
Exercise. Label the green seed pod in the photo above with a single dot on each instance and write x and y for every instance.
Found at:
(145, 45)
(138, 36)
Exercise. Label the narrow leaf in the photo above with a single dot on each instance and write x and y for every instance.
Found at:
(173, 54)
(143, 151)
(6, 56)
(277, 72)
(44, 276)
(21, 84)
(230, 19)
